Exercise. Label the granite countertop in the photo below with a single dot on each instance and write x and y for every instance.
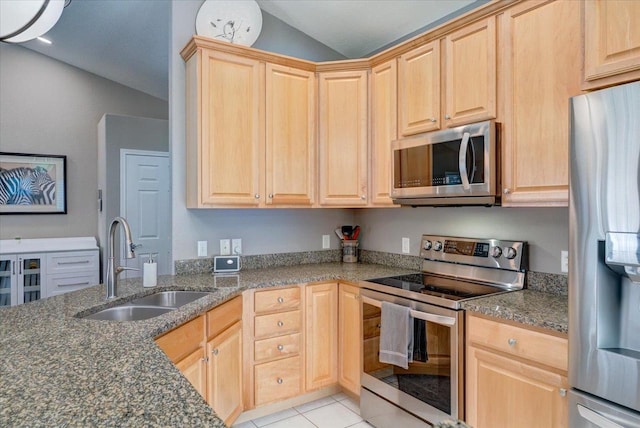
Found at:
(529, 307)
(59, 370)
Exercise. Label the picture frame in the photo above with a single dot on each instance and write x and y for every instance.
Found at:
(33, 183)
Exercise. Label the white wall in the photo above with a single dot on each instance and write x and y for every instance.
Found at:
(545, 229)
(262, 231)
(49, 107)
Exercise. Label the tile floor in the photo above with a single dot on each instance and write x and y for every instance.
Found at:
(336, 411)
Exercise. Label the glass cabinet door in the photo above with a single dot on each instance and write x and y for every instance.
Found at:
(8, 284)
(30, 275)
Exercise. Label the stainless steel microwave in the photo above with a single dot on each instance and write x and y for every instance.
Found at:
(457, 166)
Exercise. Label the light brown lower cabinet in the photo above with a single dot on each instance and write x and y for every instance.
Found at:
(516, 377)
(321, 310)
(208, 352)
(349, 338)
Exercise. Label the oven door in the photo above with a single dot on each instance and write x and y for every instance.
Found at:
(451, 163)
(432, 388)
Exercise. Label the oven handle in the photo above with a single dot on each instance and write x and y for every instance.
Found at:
(462, 161)
(425, 316)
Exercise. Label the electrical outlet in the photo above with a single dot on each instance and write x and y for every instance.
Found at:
(202, 248)
(326, 243)
(225, 247)
(236, 246)
(564, 261)
(406, 245)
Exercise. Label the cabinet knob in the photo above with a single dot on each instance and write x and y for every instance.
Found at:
(506, 191)
(562, 392)
(205, 359)
(280, 323)
(446, 116)
(280, 299)
(215, 351)
(280, 381)
(363, 197)
(257, 196)
(512, 342)
(280, 347)
(433, 119)
(378, 325)
(270, 195)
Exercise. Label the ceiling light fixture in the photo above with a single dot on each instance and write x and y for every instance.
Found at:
(43, 40)
(23, 20)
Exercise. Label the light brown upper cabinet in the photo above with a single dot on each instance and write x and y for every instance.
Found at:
(419, 90)
(343, 138)
(611, 42)
(290, 136)
(470, 73)
(541, 70)
(383, 116)
(224, 123)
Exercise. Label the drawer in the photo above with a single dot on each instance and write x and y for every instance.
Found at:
(73, 261)
(277, 380)
(182, 341)
(282, 299)
(277, 324)
(521, 342)
(224, 316)
(277, 347)
(371, 327)
(64, 283)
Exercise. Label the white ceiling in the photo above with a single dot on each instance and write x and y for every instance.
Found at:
(127, 40)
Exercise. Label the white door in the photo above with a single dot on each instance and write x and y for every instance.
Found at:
(145, 202)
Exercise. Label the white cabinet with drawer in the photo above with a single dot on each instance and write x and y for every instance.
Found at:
(31, 269)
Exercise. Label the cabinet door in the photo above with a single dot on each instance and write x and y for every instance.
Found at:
(224, 378)
(535, 397)
(343, 138)
(8, 281)
(230, 149)
(30, 275)
(384, 125)
(290, 136)
(419, 90)
(193, 368)
(611, 42)
(349, 338)
(470, 64)
(321, 335)
(541, 71)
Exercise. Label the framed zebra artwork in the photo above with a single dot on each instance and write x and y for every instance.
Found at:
(33, 184)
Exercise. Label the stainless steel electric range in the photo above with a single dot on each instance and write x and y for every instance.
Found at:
(454, 270)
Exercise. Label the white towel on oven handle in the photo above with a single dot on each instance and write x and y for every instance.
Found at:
(396, 335)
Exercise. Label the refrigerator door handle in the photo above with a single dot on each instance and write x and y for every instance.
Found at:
(596, 418)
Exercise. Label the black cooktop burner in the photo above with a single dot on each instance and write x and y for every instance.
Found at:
(439, 286)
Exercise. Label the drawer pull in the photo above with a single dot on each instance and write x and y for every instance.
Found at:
(74, 284)
(280, 324)
(280, 299)
(378, 326)
(280, 348)
(562, 392)
(512, 342)
(215, 351)
(81, 262)
(205, 359)
(280, 381)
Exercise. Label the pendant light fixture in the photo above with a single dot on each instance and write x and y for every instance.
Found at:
(23, 20)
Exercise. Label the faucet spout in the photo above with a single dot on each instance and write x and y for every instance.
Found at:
(112, 272)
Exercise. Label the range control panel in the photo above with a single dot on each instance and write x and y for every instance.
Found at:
(495, 253)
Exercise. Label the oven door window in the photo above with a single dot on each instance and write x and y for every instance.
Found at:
(438, 164)
(428, 377)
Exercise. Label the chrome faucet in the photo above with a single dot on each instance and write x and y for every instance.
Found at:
(112, 271)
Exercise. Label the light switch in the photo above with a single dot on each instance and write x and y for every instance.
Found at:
(202, 248)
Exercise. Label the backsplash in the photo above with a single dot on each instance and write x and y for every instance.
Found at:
(538, 281)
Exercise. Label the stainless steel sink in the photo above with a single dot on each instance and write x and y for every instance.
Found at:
(129, 313)
(169, 299)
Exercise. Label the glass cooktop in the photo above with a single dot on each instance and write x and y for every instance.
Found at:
(438, 286)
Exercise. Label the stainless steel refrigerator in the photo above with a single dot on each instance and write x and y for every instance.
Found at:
(604, 255)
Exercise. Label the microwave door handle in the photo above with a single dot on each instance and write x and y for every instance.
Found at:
(425, 316)
(462, 161)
